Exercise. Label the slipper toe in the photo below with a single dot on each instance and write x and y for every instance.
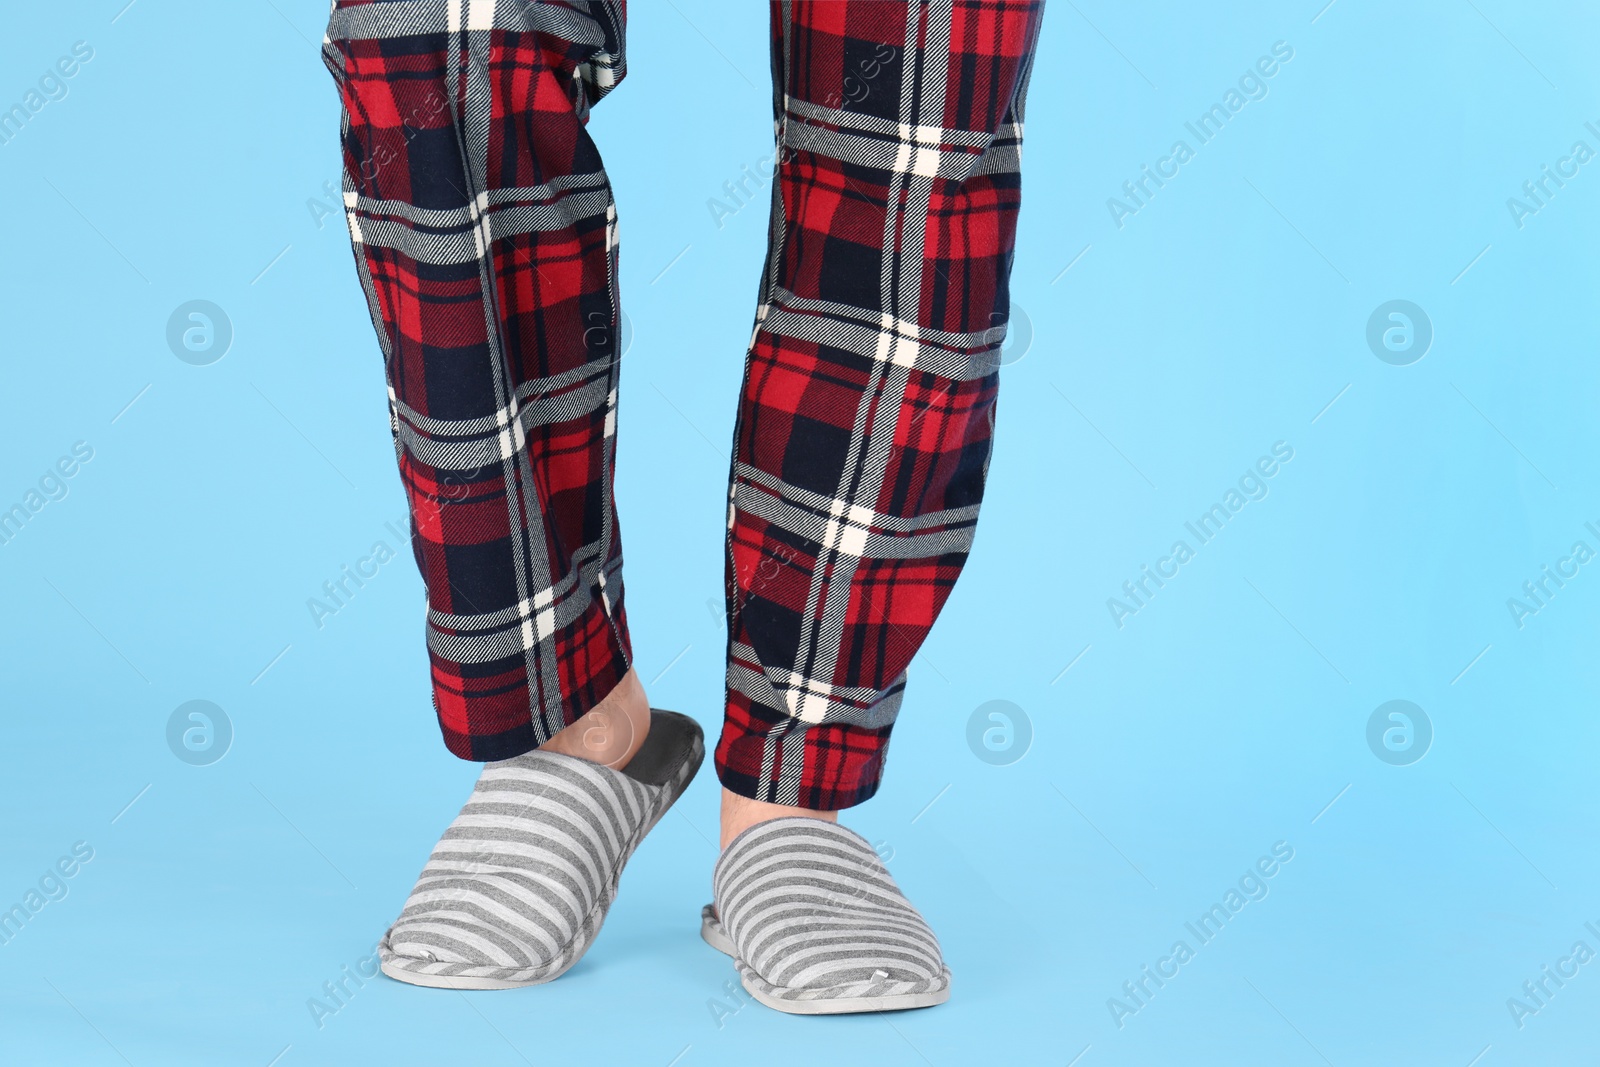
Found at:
(816, 925)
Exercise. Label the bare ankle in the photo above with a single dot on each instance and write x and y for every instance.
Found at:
(739, 813)
(612, 731)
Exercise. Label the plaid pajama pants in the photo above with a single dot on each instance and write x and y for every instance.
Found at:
(485, 238)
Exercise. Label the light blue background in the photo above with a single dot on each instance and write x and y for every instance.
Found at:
(1225, 716)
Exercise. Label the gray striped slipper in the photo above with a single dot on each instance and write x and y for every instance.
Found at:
(516, 889)
(815, 924)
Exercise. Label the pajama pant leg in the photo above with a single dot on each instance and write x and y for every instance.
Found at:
(863, 434)
(485, 237)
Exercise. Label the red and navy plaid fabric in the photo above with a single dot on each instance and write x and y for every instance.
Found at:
(864, 426)
(485, 237)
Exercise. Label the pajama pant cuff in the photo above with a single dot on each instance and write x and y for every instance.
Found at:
(521, 738)
(484, 709)
(766, 754)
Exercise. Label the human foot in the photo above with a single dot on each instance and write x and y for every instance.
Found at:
(816, 925)
(739, 813)
(517, 888)
(612, 731)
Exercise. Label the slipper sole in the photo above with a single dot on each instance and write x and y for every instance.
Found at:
(783, 998)
(446, 981)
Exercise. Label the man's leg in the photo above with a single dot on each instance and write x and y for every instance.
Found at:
(485, 237)
(861, 451)
(868, 402)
